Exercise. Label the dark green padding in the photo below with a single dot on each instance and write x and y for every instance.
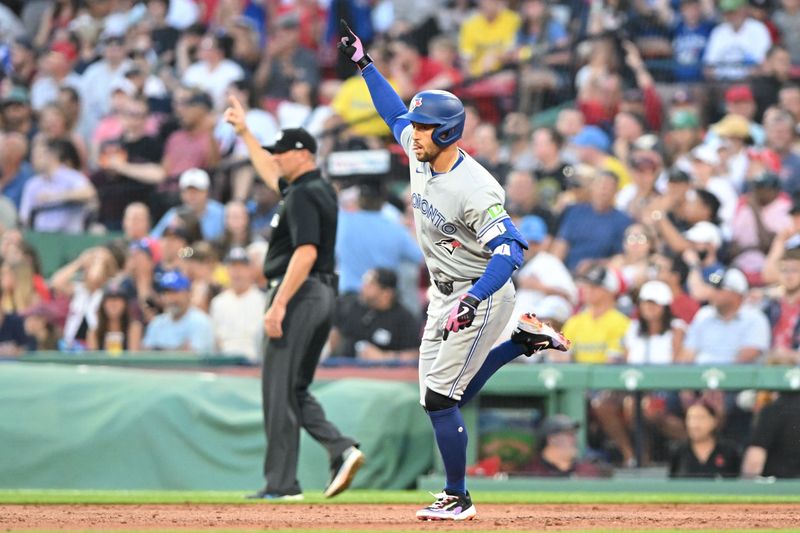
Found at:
(78, 427)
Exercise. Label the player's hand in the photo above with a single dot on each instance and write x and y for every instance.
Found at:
(273, 320)
(235, 115)
(462, 315)
(352, 47)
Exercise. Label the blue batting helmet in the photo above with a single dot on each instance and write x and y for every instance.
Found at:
(442, 109)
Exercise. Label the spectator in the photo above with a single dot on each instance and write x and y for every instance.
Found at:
(22, 60)
(55, 71)
(787, 19)
(136, 222)
(486, 38)
(674, 273)
(165, 38)
(734, 133)
(202, 266)
(261, 209)
(683, 135)
(627, 128)
(425, 73)
(98, 80)
(702, 257)
(646, 165)
(597, 331)
(17, 286)
(237, 233)
(118, 183)
(13, 339)
(139, 279)
(522, 198)
(17, 115)
(634, 265)
(375, 326)
(784, 312)
(739, 101)
(517, 145)
(286, 60)
(706, 163)
(789, 98)
(15, 170)
(774, 73)
(558, 454)
(214, 72)
(56, 199)
(592, 230)
(552, 173)
(690, 38)
(704, 454)
(194, 184)
(727, 330)
(773, 448)
(780, 134)
(180, 328)
(592, 145)
(655, 338)
(117, 330)
(488, 152)
(96, 267)
(53, 125)
(727, 57)
(237, 311)
(388, 244)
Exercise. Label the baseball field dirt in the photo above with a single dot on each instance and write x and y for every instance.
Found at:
(398, 517)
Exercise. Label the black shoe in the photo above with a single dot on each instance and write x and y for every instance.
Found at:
(536, 336)
(343, 470)
(264, 495)
(449, 505)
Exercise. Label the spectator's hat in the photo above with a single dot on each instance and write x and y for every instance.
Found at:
(533, 229)
(237, 254)
(761, 4)
(731, 5)
(557, 424)
(684, 120)
(554, 307)
(196, 178)
(704, 233)
(66, 49)
(292, 139)
(731, 125)
(677, 175)
(200, 98)
(123, 85)
(731, 279)
(16, 95)
(115, 289)
(706, 153)
(174, 281)
(739, 93)
(649, 143)
(25, 42)
(767, 180)
(657, 292)
(769, 158)
(176, 230)
(603, 277)
(386, 278)
(592, 137)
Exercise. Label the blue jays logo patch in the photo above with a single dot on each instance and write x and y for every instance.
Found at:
(415, 103)
(450, 245)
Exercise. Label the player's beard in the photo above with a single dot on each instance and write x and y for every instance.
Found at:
(427, 157)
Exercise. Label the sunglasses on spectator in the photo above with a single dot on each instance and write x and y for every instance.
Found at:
(636, 238)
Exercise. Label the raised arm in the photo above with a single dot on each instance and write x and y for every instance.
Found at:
(262, 161)
(384, 97)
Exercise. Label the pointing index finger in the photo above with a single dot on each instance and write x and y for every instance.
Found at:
(235, 103)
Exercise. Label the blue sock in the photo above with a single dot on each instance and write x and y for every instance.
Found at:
(451, 437)
(500, 355)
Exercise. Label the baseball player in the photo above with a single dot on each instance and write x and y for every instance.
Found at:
(471, 248)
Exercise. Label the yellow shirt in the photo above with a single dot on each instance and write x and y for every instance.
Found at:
(479, 37)
(612, 164)
(596, 340)
(354, 104)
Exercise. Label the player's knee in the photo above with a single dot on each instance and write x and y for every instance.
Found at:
(438, 402)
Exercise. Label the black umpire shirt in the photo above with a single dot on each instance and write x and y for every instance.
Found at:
(307, 215)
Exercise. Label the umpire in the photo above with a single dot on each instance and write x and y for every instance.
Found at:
(302, 292)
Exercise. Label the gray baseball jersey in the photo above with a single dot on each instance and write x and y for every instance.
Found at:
(456, 213)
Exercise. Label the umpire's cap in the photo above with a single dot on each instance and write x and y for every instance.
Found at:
(292, 139)
(442, 109)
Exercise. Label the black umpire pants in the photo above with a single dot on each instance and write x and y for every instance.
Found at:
(288, 370)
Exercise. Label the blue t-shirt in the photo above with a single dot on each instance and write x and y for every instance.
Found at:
(555, 32)
(194, 329)
(689, 45)
(592, 235)
(367, 240)
(13, 190)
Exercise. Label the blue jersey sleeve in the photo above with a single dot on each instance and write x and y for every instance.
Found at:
(386, 100)
(507, 256)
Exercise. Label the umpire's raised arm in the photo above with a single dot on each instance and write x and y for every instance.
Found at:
(262, 160)
(386, 100)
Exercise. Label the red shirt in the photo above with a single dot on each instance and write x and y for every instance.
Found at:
(684, 307)
(783, 332)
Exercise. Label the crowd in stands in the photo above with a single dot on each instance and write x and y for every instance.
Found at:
(649, 151)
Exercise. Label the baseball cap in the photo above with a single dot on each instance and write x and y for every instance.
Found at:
(704, 233)
(707, 154)
(657, 292)
(176, 231)
(65, 48)
(767, 180)
(677, 175)
(769, 158)
(732, 126)
(174, 281)
(684, 120)
(592, 137)
(195, 177)
(292, 139)
(731, 5)
(554, 307)
(557, 424)
(385, 277)
(642, 161)
(124, 85)
(731, 279)
(115, 289)
(533, 228)
(237, 254)
(16, 95)
(199, 98)
(739, 93)
(600, 276)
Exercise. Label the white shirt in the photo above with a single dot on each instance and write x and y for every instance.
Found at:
(44, 89)
(96, 84)
(723, 189)
(734, 50)
(214, 82)
(238, 328)
(652, 349)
